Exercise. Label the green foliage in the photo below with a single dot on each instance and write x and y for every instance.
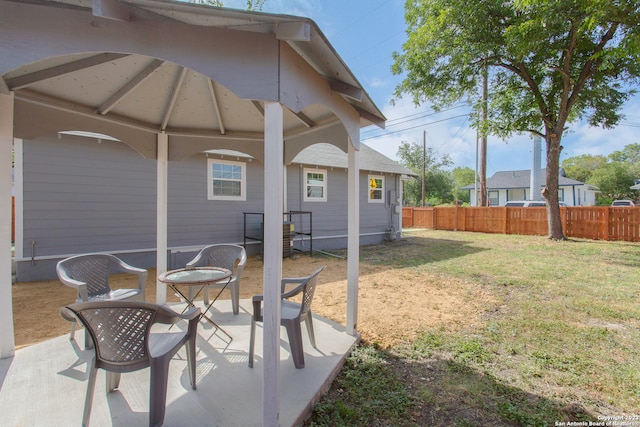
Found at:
(439, 184)
(251, 4)
(217, 3)
(629, 156)
(613, 180)
(613, 175)
(461, 178)
(546, 59)
(369, 393)
(581, 167)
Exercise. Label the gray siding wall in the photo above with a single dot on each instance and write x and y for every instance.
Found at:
(94, 197)
(101, 197)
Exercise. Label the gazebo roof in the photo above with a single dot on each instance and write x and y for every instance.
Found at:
(151, 90)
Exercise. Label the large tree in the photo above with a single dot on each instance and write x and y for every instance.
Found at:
(550, 62)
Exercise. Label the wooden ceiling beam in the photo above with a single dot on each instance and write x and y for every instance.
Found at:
(60, 70)
(128, 88)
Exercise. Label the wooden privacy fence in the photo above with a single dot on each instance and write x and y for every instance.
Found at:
(594, 222)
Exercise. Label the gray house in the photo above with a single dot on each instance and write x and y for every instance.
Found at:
(101, 197)
(504, 186)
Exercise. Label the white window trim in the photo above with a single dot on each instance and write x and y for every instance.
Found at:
(306, 198)
(243, 183)
(370, 177)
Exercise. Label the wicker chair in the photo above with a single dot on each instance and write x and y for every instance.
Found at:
(231, 257)
(89, 275)
(123, 342)
(292, 315)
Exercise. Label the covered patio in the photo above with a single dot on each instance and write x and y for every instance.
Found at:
(171, 79)
(52, 377)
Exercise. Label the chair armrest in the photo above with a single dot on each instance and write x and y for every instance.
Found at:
(294, 291)
(67, 314)
(79, 286)
(198, 261)
(167, 316)
(119, 266)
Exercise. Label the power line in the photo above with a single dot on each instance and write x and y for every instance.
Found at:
(415, 116)
(414, 127)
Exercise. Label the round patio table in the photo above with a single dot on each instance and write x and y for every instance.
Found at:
(197, 276)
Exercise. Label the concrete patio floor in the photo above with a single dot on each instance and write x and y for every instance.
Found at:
(45, 384)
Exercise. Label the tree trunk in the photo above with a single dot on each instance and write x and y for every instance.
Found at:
(550, 192)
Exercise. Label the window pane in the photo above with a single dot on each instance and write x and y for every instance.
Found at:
(315, 179)
(316, 192)
(315, 185)
(226, 188)
(217, 170)
(375, 194)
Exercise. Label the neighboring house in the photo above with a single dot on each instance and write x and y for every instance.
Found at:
(82, 202)
(516, 185)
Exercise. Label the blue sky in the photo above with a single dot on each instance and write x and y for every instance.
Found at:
(365, 33)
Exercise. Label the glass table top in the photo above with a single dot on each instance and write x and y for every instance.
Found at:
(195, 275)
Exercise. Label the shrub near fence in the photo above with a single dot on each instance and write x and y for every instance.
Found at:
(594, 222)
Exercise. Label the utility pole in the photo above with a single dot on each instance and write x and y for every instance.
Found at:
(483, 141)
(424, 161)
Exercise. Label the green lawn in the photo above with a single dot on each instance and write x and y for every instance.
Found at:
(561, 346)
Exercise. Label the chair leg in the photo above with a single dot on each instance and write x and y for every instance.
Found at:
(91, 386)
(191, 361)
(252, 340)
(158, 391)
(294, 332)
(205, 296)
(235, 297)
(312, 335)
(73, 331)
(113, 381)
(88, 342)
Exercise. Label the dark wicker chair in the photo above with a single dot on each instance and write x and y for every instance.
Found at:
(292, 315)
(121, 335)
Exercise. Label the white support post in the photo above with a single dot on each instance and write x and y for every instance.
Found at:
(161, 226)
(18, 192)
(273, 202)
(7, 339)
(353, 239)
(399, 202)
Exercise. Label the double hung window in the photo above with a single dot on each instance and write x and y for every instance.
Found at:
(226, 180)
(315, 185)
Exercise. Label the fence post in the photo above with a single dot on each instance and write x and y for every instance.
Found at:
(455, 219)
(505, 220)
(434, 218)
(607, 226)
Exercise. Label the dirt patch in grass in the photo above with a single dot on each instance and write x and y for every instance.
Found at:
(393, 304)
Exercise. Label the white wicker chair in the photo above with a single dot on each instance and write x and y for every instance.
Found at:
(89, 275)
(231, 257)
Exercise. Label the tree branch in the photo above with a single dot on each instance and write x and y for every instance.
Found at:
(591, 65)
